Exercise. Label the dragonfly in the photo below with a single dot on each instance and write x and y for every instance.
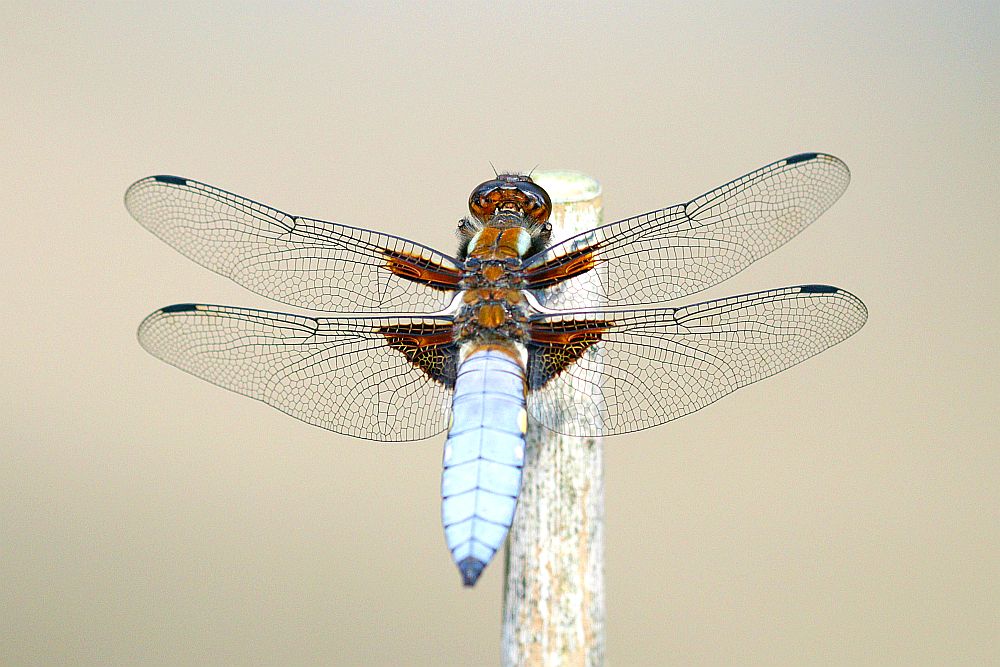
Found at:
(572, 334)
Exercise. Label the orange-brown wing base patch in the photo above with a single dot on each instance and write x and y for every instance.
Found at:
(562, 268)
(429, 347)
(422, 270)
(554, 346)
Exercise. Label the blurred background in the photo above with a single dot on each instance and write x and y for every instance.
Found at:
(843, 512)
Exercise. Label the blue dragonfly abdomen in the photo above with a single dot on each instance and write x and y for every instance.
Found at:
(483, 457)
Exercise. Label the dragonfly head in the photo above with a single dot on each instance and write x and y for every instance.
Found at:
(505, 202)
(516, 193)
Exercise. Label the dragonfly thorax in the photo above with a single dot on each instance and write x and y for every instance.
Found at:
(492, 313)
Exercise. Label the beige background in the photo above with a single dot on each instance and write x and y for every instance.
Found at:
(845, 512)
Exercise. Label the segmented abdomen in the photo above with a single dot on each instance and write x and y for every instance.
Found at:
(483, 457)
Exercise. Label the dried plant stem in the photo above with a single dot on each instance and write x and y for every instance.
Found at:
(554, 592)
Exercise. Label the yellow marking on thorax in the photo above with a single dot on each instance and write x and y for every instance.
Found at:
(491, 315)
(484, 243)
(510, 242)
(493, 272)
(511, 296)
(497, 243)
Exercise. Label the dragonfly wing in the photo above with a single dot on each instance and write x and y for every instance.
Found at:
(299, 261)
(387, 379)
(672, 252)
(616, 371)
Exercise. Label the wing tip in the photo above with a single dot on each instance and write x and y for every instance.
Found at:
(139, 185)
(822, 157)
(860, 309)
(155, 316)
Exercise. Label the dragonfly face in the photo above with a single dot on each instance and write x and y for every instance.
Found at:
(507, 203)
(510, 327)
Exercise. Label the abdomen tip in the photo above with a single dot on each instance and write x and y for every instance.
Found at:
(471, 568)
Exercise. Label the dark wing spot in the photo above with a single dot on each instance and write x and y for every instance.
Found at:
(555, 345)
(429, 347)
(173, 180)
(801, 157)
(180, 308)
(819, 289)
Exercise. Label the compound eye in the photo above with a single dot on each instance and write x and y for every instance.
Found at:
(536, 202)
(484, 199)
(510, 193)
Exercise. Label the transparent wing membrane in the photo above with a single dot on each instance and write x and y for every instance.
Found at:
(676, 251)
(595, 367)
(642, 368)
(299, 261)
(364, 377)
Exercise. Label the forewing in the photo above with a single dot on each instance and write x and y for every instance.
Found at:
(299, 261)
(385, 379)
(641, 368)
(667, 254)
